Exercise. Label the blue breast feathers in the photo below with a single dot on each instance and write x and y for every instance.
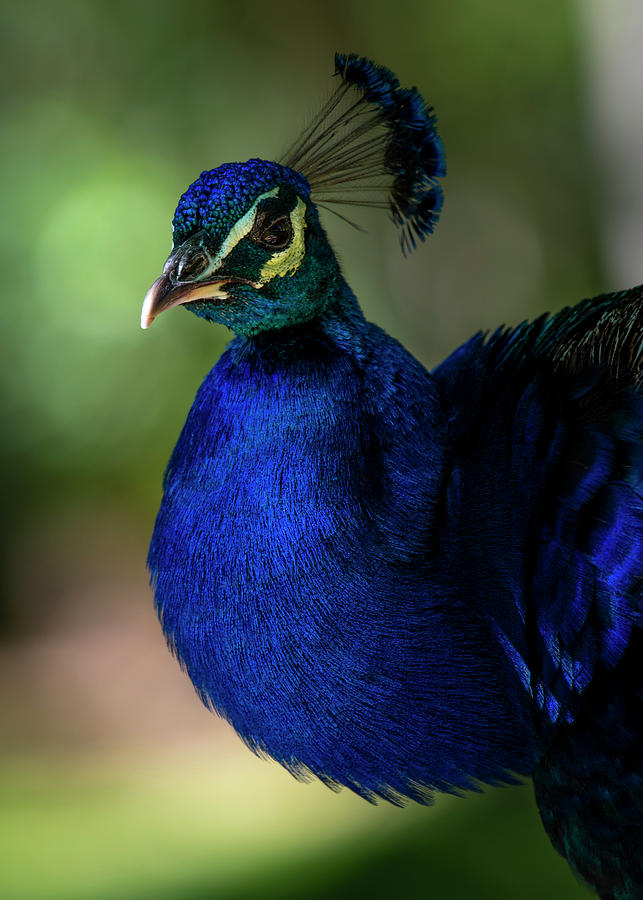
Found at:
(293, 560)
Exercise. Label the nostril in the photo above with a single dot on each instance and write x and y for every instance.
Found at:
(191, 265)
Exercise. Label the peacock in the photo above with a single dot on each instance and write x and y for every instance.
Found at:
(396, 580)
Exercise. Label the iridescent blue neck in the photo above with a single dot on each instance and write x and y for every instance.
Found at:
(343, 320)
(341, 324)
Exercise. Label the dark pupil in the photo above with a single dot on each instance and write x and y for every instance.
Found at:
(277, 235)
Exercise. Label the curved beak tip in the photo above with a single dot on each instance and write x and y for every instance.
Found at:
(147, 313)
(162, 296)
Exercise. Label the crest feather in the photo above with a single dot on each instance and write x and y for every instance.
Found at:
(374, 143)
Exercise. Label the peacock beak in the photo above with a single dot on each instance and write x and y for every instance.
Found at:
(191, 272)
(164, 294)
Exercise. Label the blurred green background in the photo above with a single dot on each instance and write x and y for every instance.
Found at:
(114, 781)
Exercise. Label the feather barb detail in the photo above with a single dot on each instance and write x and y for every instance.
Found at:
(374, 143)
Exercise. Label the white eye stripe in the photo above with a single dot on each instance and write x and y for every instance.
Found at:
(240, 229)
(282, 262)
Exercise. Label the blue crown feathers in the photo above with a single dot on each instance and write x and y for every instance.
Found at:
(374, 144)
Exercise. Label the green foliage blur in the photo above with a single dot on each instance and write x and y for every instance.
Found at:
(113, 781)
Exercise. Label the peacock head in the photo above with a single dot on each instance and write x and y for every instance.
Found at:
(249, 250)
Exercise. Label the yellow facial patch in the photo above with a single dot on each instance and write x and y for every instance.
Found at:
(286, 261)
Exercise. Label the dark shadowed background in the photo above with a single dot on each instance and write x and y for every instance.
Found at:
(114, 781)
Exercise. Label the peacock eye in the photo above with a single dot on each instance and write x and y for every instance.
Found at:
(276, 235)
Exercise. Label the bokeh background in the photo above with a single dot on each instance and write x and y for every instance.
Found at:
(114, 781)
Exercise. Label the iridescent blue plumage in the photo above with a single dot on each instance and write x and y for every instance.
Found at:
(397, 580)
(312, 575)
(221, 196)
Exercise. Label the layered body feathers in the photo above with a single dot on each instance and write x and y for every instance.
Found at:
(397, 580)
(300, 518)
